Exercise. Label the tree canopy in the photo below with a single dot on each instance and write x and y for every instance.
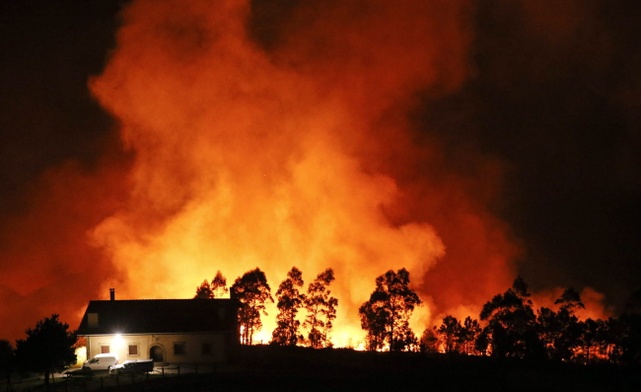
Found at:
(507, 327)
(385, 316)
(252, 291)
(560, 330)
(511, 324)
(49, 347)
(321, 309)
(216, 289)
(450, 330)
(219, 286)
(290, 300)
(204, 291)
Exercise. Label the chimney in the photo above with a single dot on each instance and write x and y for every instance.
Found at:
(112, 294)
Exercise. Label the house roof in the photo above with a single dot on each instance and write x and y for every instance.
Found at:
(159, 316)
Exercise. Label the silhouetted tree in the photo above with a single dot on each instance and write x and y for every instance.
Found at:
(219, 286)
(321, 309)
(385, 316)
(630, 319)
(570, 300)
(511, 329)
(593, 339)
(468, 334)
(204, 291)
(429, 341)
(560, 331)
(374, 319)
(549, 328)
(290, 300)
(450, 333)
(252, 291)
(7, 361)
(49, 347)
(613, 340)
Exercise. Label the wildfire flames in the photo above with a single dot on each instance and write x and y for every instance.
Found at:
(247, 156)
(295, 146)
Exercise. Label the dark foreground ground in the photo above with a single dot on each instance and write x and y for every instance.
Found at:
(273, 369)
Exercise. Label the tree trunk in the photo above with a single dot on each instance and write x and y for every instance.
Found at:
(587, 355)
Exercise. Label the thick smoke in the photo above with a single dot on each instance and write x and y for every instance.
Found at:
(48, 266)
(297, 150)
(358, 135)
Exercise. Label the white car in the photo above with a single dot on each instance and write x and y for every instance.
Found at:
(100, 362)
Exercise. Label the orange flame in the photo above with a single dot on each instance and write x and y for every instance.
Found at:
(292, 155)
(295, 147)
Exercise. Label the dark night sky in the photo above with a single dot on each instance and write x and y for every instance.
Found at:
(558, 96)
(47, 114)
(555, 96)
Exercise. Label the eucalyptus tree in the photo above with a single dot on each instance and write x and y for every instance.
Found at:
(289, 301)
(204, 291)
(385, 316)
(560, 331)
(252, 292)
(470, 330)
(510, 325)
(219, 286)
(450, 332)
(321, 310)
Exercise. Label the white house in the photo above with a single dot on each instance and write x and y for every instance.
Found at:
(191, 331)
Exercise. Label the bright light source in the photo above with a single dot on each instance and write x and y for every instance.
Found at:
(117, 341)
(81, 355)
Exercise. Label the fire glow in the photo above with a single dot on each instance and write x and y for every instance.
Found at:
(269, 136)
(251, 157)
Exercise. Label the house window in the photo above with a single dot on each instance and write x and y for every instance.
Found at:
(104, 349)
(206, 349)
(133, 349)
(179, 348)
(92, 320)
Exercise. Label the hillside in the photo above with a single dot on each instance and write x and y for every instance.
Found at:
(277, 369)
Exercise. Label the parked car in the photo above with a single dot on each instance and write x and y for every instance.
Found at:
(137, 366)
(100, 362)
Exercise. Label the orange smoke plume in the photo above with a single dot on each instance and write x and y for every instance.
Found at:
(592, 300)
(297, 151)
(48, 266)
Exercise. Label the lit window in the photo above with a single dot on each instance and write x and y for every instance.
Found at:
(179, 348)
(133, 349)
(104, 349)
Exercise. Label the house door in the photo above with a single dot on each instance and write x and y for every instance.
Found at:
(156, 353)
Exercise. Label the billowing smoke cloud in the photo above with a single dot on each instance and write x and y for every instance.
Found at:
(297, 151)
(47, 265)
(315, 134)
(362, 136)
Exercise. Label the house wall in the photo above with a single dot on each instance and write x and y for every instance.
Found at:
(175, 348)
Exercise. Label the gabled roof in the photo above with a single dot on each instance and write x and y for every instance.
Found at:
(159, 316)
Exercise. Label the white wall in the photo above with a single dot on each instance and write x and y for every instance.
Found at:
(195, 347)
